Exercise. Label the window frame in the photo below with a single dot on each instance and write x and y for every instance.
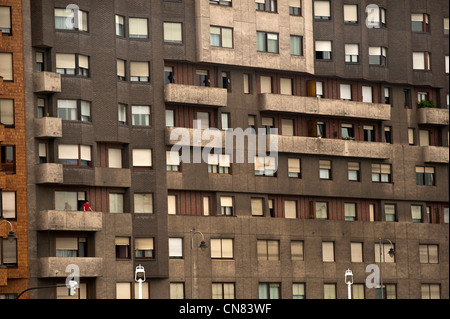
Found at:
(270, 6)
(79, 159)
(265, 35)
(221, 37)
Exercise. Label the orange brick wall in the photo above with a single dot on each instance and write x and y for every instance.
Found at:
(16, 278)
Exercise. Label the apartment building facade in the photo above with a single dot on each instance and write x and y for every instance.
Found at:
(361, 166)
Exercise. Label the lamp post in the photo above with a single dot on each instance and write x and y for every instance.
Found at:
(349, 282)
(11, 236)
(139, 277)
(391, 253)
(202, 246)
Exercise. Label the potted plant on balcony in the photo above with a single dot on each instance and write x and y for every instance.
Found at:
(426, 103)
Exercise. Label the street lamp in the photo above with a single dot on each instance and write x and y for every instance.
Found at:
(203, 246)
(139, 277)
(11, 236)
(391, 253)
(349, 282)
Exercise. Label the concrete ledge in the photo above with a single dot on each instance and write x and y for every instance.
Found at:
(69, 220)
(48, 127)
(112, 177)
(55, 267)
(47, 82)
(330, 107)
(191, 94)
(49, 173)
(434, 116)
(435, 154)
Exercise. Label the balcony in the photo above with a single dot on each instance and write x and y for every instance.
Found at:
(48, 127)
(47, 82)
(112, 177)
(435, 154)
(328, 107)
(191, 94)
(433, 116)
(55, 267)
(332, 147)
(49, 173)
(69, 220)
(195, 137)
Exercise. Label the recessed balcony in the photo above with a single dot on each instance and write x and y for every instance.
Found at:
(55, 267)
(328, 107)
(49, 173)
(435, 154)
(69, 220)
(47, 82)
(191, 94)
(48, 127)
(331, 147)
(433, 116)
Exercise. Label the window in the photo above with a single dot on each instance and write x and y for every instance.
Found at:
(122, 113)
(350, 13)
(446, 26)
(411, 139)
(226, 3)
(290, 209)
(322, 10)
(71, 247)
(295, 7)
(246, 79)
(7, 159)
(352, 53)
(69, 19)
(346, 92)
(72, 110)
(287, 127)
(121, 74)
(376, 17)
(72, 64)
(268, 249)
(390, 214)
(388, 134)
(139, 72)
(114, 157)
(6, 112)
(74, 155)
(257, 206)
(142, 158)
(172, 161)
(202, 78)
(358, 291)
(297, 252)
(225, 80)
(446, 64)
(123, 248)
(206, 205)
(356, 251)
(222, 290)
(294, 167)
(173, 32)
(226, 206)
(222, 248)
(425, 176)
(8, 252)
(446, 215)
(8, 204)
(421, 61)
(381, 173)
(264, 166)
(138, 28)
(416, 214)
(321, 210)
(40, 65)
(266, 5)
(350, 211)
(377, 56)
(367, 94)
(429, 254)
(267, 42)
(168, 75)
(387, 95)
(325, 169)
(219, 164)
(6, 66)
(221, 37)
(369, 133)
(120, 26)
(269, 290)
(172, 204)
(431, 291)
(70, 201)
(329, 291)
(424, 137)
(5, 20)
(389, 291)
(328, 251)
(176, 290)
(420, 22)
(323, 50)
(251, 120)
(144, 248)
(353, 171)
(385, 257)
(170, 118)
(225, 120)
(143, 203)
(115, 203)
(175, 247)
(296, 45)
(140, 115)
(265, 84)
(319, 89)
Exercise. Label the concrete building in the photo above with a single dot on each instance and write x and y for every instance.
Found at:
(361, 163)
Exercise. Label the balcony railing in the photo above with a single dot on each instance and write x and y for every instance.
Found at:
(435, 154)
(48, 127)
(55, 267)
(47, 82)
(69, 220)
(49, 173)
(191, 94)
(433, 116)
(329, 107)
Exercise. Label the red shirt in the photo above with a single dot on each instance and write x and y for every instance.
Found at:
(86, 207)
